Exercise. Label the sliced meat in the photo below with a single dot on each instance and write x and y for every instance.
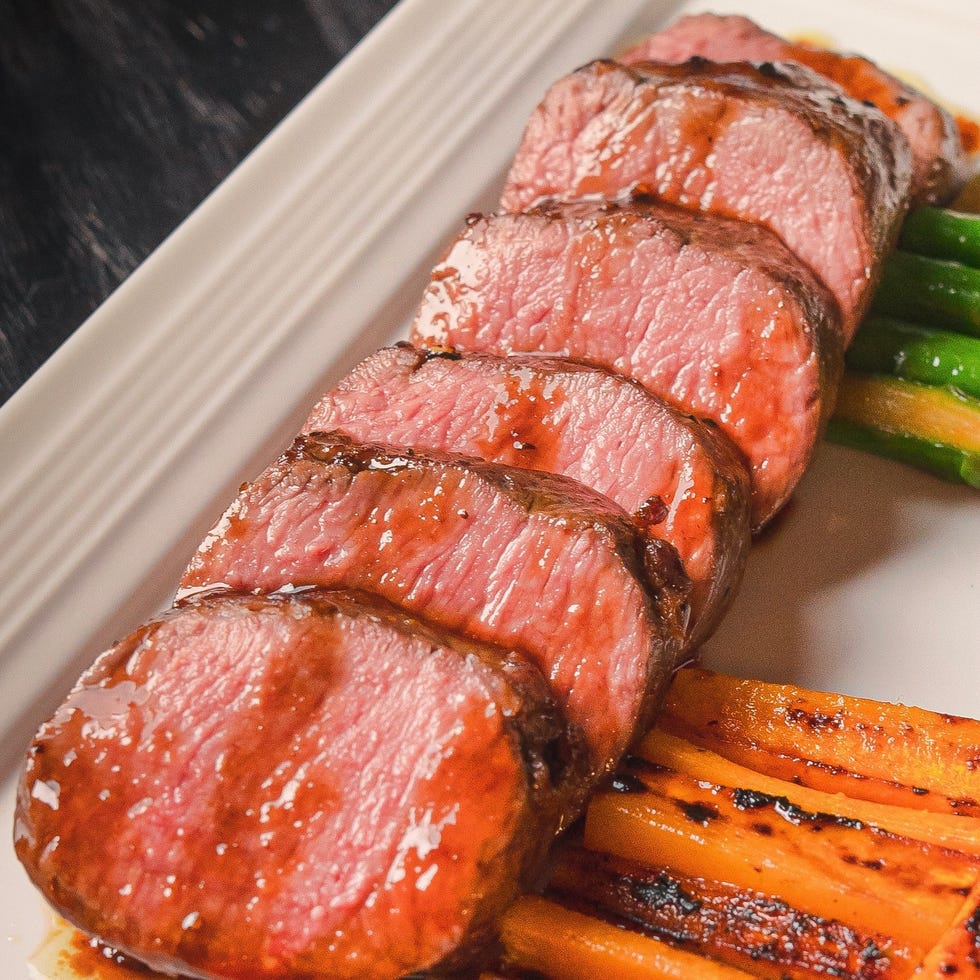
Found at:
(677, 476)
(298, 786)
(774, 145)
(713, 314)
(939, 160)
(515, 557)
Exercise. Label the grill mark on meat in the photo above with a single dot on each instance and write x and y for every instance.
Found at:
(679, 477)
(939, 159)
(476, 547)
(715, 315)
(782, 147)
(349, 790)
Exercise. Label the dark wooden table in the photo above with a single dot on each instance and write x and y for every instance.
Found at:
(117, 119)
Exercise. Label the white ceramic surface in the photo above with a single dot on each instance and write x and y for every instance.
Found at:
(121, 450)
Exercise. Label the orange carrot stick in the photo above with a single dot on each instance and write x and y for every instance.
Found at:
(945, 829)
(821, 864)
(867, 749)
(735, 925)
(543, 936)
(957, 954)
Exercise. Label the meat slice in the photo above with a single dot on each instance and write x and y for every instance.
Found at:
(678, 476)
(515, 557)
(776, 145)
(293, 786)
(713, 314)
(939, 159)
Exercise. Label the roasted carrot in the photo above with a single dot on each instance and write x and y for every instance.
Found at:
(544, 936)
(945, 829)
(725, 838)
(957, 954)
(865, 749)
(822, 864)
(735, 925)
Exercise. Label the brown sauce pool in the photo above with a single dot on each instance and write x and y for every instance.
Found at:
(68, 954)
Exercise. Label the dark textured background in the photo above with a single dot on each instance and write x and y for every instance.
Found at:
(117, 119)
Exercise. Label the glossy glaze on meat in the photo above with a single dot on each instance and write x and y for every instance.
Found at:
(515, 557)
(773, 145)
(679, 477)
(274, 780)
(939, 160)
(713, 314)
(298, 785)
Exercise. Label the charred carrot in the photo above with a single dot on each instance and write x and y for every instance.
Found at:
(957, 954)
(700, 847)
(866, 749)
(944, 829)
(822, 864)
(745, 928)
(543, 936)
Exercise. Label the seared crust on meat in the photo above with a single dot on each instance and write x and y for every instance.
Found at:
(515, 557)
(300, 785)
(679, 477)
(939, 159)
(713, 314)
(773, 144)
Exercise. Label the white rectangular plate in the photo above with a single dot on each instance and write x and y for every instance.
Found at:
(118, 454)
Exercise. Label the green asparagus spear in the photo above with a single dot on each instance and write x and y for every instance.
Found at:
(934, 428)
(885, 345)
(946, 462)
(944, 234)
(931, 291)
